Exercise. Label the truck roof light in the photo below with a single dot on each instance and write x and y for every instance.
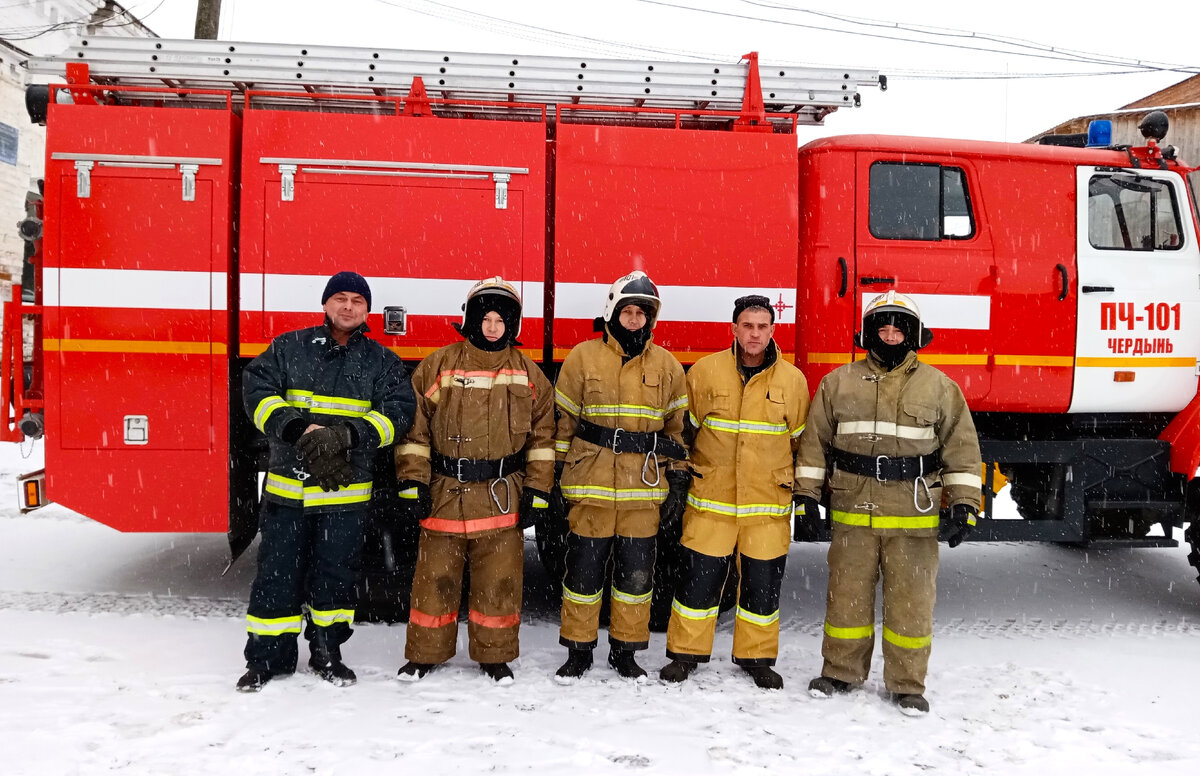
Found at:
(1099, 133)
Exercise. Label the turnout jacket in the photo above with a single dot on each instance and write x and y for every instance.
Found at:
(645, 393)
(305, 377)
(744, 455)
(911, 410)
(475, 404)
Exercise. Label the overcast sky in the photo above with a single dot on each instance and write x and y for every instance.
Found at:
(928, 93)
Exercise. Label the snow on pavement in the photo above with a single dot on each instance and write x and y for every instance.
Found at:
(118, 653)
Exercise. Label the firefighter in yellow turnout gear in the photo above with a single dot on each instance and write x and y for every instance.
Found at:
(749, 408)
(621, 402)
(476, 467)
(892, 438)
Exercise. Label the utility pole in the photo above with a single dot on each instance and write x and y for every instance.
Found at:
(208, 16)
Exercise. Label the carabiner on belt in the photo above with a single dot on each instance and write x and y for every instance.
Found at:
(507, 491)
(652, 455)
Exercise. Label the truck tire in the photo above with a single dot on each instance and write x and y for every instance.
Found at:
(1037, 489)
(1192, 535)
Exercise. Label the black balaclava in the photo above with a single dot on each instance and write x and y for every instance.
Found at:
(890, 356)
(632, 342)
(479, 306)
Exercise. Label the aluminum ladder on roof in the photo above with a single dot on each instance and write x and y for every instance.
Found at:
(807, 93)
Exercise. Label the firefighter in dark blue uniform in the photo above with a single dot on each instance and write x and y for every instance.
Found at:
(327, 398)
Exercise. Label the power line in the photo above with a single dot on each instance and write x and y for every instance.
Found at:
(81, 21)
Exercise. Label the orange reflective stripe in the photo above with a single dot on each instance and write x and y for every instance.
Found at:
(491, 621)
(417, 617)
(446, 525)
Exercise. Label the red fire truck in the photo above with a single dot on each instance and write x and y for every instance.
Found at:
(198, 194)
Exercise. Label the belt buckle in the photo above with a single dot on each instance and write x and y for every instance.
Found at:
(458, 475)
(880, 460)
(616, 441)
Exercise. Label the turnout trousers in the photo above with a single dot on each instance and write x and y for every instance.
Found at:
(494, 604)
(627, 535)
(304, 557)
(857, 557)
(709, 543)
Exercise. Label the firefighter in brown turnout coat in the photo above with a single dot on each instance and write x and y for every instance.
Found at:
(892, 438)
(748, 407)
(476, 467)
(621, 401)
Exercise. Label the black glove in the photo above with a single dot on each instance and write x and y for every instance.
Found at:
(671, 511)
(959, 525)
(415, 501)
(535, 508)
(331, 471)
(808, 519)
(559, 505)
(324, 442)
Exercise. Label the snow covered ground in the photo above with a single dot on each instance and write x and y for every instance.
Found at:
(118, 653)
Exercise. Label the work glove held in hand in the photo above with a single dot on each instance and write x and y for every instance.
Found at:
(807, 519)
(534, 509)
(325, 442)
(331, 471)
(960, 524)
(559, 506)
(671, 511)
(415, 501)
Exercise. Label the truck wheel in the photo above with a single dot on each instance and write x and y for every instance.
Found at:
(1037, 489)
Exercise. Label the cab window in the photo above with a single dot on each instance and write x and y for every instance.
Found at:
(1128, 212)
(919, 202)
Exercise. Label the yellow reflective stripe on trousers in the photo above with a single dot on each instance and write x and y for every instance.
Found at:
(383, 427)
(602, 493)
(885, 428)
(621, 411)
(739, 510)
(264, 410)
(745, 426)
(864, 632)
(561, 400)
(313, 496)
(631, 598)
(906, 642)
(323, 619)
(273, 626)
(885, 521)
(758, 619)
(328, 405)
(689, 613)
(581, 598)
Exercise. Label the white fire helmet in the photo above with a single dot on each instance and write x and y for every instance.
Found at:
(495, 286)
(895, 302)
(634, 288)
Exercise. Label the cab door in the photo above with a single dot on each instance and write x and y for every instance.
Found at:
(1138, 336)
(922, 234)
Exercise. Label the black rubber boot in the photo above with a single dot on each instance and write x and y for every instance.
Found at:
(499, 673)
(911, 704)
(676, 671)
(578, 663)
(413, 672)
(253, 680)
(765, 677)
(827, 687)
(332, 670)
(623, 663)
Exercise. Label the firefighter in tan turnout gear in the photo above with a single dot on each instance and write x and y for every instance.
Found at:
(475, 469)
(893, 439)
(621, 402)
(749, 407)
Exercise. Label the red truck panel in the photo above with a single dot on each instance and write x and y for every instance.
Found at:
(136, 282)
(710, 216)
(421, 240)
